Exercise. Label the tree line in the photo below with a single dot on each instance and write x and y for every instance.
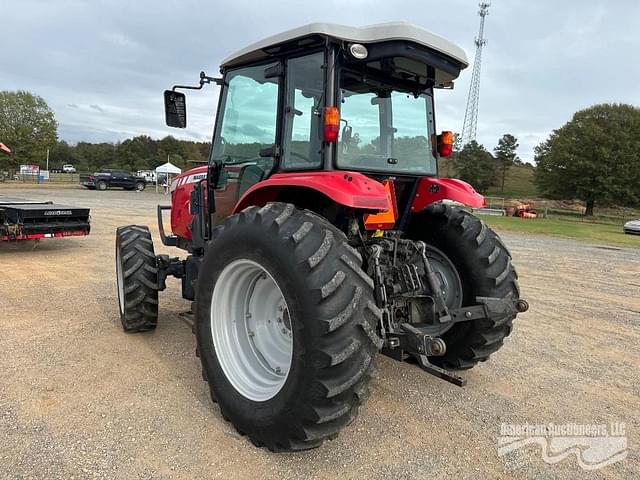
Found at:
(28, 126)
(475, 165)
(594, 157)
(137, 153)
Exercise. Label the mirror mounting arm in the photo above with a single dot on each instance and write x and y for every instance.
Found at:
(204, 79)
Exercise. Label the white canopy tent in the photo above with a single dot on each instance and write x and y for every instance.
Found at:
(169, 170)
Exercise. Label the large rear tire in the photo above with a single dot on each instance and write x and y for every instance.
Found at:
(284, 267)
(136, 279)
(484, 266)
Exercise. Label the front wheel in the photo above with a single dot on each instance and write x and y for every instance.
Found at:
(286, 326)
(101, 185)
(140, 186)
(136, 279)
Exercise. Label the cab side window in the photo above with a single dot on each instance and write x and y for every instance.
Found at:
(248, 115)
(247, 125)
(302, 141)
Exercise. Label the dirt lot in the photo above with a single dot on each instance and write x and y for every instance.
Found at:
(80, 399)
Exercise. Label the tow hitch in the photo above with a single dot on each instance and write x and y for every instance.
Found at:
(400, 283)
(421, 346)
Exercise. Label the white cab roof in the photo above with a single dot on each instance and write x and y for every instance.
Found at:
(369, 34)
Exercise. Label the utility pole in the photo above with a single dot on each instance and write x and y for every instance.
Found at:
(471, 114)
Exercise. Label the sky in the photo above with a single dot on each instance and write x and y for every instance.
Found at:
(102, 65)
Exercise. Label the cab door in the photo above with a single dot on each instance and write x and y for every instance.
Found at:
(246, 133)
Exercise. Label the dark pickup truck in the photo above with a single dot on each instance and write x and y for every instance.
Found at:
(112, 178)
(26, 220)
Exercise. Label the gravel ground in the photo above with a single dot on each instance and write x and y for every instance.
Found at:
(80, 399)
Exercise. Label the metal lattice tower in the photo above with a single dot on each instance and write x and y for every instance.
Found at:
(471, 114)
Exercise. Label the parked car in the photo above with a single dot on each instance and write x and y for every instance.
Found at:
(632, 227)
(148, 175)
(68, 168)
(108, 178)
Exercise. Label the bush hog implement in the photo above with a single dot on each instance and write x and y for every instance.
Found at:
(318, 234)
(25, 220)
(22, 219)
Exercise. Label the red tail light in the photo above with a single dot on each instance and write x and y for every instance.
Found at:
(445, 144)
(446, 150)
(331, 124)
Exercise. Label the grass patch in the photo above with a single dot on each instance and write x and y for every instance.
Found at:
(517, 184)
(581, 230)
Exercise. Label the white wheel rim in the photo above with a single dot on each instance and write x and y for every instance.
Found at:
(251, 330)
(120, 281)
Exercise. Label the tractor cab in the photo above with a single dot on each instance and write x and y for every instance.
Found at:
(352, 98)
(327, 97)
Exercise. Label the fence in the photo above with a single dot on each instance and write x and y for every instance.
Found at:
(33, 178)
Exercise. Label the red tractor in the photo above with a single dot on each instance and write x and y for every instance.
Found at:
(319, 234)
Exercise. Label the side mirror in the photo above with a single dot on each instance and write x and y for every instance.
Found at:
(175, 109)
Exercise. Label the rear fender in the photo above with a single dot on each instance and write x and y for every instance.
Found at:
(350, 189)
(431, 190)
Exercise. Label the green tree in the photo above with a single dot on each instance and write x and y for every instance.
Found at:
(476, 166)
(28, 125)
(595, 157)
(138, 153)
(505, 154)
(61, 153)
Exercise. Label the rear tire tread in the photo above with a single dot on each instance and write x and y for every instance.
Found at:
(341, 362)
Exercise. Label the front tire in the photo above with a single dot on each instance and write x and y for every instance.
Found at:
(485, 269)
(101, 185)
(136, 279)
(290, 267)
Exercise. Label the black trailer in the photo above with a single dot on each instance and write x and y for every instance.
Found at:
(22, 219)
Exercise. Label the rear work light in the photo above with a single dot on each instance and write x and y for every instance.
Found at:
(445, 144)
(331, 124)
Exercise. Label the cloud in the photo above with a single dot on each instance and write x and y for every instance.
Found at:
(543, 61)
